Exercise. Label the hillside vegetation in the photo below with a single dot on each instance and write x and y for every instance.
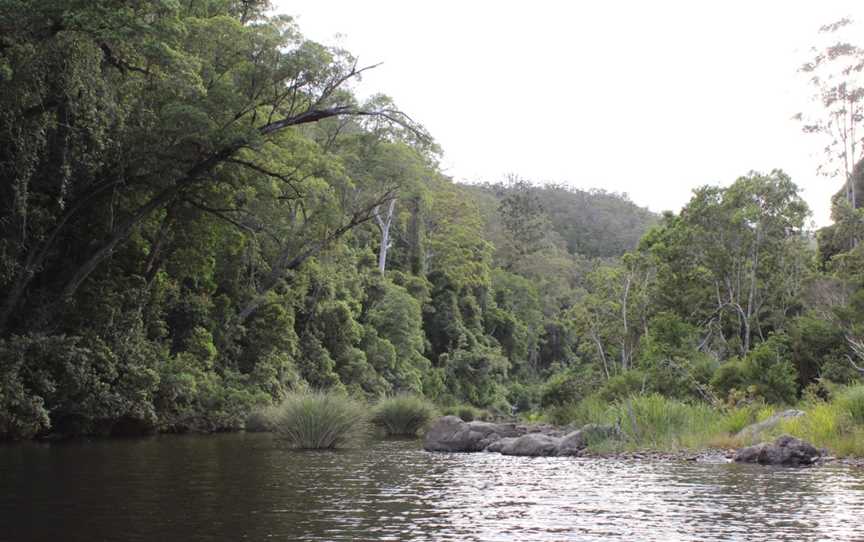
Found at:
(200, 218)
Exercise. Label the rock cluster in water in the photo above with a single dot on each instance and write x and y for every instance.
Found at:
(451, 434)
(785, 451)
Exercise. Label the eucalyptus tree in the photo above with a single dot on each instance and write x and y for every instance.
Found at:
(726, 262)
(836, 73)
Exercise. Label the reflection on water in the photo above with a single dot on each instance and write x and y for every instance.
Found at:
(247, 487)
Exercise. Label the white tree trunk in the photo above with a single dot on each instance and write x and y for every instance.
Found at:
(384, 226)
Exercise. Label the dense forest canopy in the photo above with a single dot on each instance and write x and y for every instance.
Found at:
(199, 215)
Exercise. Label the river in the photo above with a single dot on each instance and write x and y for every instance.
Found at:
(249, 487)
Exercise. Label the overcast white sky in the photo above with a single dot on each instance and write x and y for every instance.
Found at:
(648, 98)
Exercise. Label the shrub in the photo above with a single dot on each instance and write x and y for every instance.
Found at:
(467, 413)
(764, 373)
(565, 387)
(321, 420)
(403, 415)
(524, 397)
(263, 420)
(623, 385)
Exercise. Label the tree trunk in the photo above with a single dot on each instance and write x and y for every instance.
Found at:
(625, 353)
(120, 235)
(384, 226)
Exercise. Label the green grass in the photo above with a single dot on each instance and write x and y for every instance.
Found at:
(403, 415)
(851, 400)
(321, 420)
(837, 425)
(654, 422)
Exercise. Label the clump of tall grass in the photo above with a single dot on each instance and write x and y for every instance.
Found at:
(851, 400)
(658, 422)
(592, 409)
(837, 425)
(403, 415)
(321, 420)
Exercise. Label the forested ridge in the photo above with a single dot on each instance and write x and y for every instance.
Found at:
(199, 216)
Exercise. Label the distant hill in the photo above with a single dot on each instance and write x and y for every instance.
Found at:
(592, 223)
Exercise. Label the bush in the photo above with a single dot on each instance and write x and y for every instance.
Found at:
(566, 387)
(321, 420)
(764, 373)
(403, 415)
(192, 399)
(263, 420)
(467, 413)
(524, 397)
(623, 385)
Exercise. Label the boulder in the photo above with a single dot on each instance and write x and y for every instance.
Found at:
(573, 443)
(786, 451)
(499, 444)
(753, 431)
(532, 444)
(451, 434)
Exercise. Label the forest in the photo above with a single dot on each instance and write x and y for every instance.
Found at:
(199, 215)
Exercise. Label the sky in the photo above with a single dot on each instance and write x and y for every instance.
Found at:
(651, 99)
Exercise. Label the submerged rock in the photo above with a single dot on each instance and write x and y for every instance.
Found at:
(786, 451)
(753, 431)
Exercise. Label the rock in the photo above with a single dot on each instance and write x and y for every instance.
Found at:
(451, 434)
(750, 454)
(573, 443)
(532, 444)
(786, 451)
(753, 431)
(499, 444)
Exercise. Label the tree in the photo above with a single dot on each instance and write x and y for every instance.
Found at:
(163, 113)
(726, 262)
(836, 74)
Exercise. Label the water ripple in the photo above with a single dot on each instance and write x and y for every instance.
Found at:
(247, 487)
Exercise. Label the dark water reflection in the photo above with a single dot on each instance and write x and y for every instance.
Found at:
(247, 487)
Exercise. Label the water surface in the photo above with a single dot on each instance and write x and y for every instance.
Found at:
(248, 487)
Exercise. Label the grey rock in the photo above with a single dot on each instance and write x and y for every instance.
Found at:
(749, 454)
(451, 434)
(753, 431)
(573, 443)
(499, 444)
(532, 444)
(785, 450)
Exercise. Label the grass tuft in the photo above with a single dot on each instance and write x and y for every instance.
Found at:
(851, 400)
(321, 420)
(403, 415)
